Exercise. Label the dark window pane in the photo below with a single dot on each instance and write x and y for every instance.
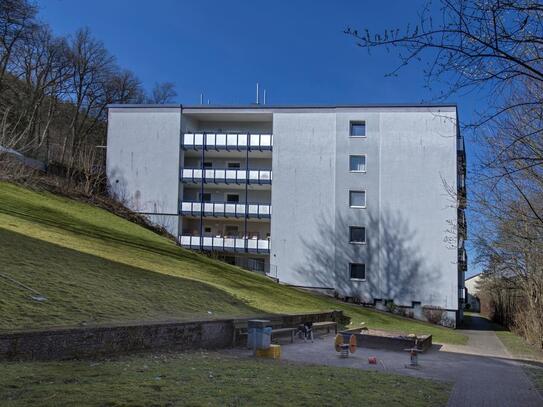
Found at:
(358, 271)
(357, 163)
(232, 198)
(358, 234)
(358, 129)
(205, 197)
(234, 166)
(208, 164)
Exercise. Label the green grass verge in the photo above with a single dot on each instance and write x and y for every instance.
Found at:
(208, 379)
(95, 267)
(518, 347)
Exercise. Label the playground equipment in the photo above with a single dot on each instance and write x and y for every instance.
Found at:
(413, 353)
(344, 348)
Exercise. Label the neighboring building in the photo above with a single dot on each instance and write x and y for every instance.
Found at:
(472, 292)
(365, 200)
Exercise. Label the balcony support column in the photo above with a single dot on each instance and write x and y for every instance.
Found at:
(202, 193)
(246, 192)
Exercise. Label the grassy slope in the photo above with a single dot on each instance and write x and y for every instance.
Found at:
(208, 379)
(96, 267)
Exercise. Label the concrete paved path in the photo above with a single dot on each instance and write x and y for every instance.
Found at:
(483, 372)
(501, 382)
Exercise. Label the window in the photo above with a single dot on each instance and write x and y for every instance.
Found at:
(207, 230)
(357, 163)
(232, 198)
(357, 234)
(231, 231)
(208, 164)
(357, 199)
(256, 264)
(358, 129)
(205, 197)
(357, 271)
(234, 165)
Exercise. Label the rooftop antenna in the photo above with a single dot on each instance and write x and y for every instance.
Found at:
(201, 98)
(257, 101)
(264, 97)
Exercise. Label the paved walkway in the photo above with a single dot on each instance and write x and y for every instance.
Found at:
(483, 372)
(500, 382)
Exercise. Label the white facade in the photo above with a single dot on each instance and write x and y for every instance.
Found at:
(285, 190)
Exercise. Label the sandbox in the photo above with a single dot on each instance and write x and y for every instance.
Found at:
(377, 339)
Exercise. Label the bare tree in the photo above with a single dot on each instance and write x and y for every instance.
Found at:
(16, 24)
(494, 47)
(162, 93)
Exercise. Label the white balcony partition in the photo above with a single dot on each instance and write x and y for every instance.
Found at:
(225, 244)
(223, 209)
(227, 175)
(229, 141)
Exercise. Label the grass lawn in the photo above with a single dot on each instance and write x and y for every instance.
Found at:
(518, 347)
(208, 379)
(95, 267)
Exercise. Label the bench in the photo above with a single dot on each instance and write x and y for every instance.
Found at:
(281, 331)
(327, 325)
(240, 329)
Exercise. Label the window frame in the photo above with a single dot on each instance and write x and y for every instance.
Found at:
(365, 163)
(365, 199)
(351, 241)
(357, 122)
(231, 193)
(351, 264)
(233, 162)
(201, 197)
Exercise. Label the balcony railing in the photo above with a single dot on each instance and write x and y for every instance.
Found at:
(229, 244)
(226, 176)
(227, 141)
(223, 209)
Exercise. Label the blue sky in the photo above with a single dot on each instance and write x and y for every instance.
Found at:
(295, 49)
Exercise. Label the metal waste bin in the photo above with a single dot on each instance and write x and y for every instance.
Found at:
(264, 338)
(256, 336)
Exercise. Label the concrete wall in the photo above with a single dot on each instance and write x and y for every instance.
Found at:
(90, 342)
(410, 155)
(143, 158)
(303, 197)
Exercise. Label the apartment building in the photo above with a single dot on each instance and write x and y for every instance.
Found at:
(366, 201)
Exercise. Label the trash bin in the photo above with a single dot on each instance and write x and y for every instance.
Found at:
(251, 338)
(255, 333)
(264, 338)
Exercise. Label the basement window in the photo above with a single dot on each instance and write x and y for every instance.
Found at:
(357, 271)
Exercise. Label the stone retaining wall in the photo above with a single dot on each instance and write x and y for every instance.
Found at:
(89, 342)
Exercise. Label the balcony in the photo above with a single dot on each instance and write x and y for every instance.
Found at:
(225, 244)
(463, 259)
(226, 210)
(227, 141)
(226, 176)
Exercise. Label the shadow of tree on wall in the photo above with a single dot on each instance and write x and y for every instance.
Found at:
(395, 268)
